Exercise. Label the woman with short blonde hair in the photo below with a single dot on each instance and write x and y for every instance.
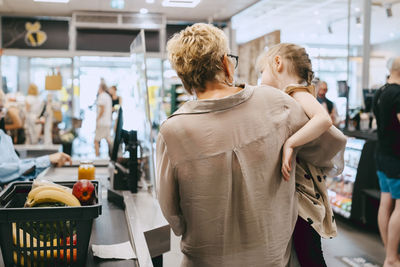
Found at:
(218, 159)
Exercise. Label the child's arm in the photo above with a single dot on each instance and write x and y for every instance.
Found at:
(319, 122)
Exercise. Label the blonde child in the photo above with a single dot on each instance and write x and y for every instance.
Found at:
(288, 67)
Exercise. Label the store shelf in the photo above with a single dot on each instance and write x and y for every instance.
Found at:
(340, 211)
(337, 202)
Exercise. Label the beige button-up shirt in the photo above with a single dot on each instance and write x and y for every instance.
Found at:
(219, 178)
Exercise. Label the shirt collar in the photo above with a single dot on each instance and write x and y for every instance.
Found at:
(210, 105)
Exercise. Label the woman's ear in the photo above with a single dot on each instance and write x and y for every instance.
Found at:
(228, 67)
(278, 63)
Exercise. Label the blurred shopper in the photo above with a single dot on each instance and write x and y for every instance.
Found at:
(116, 100)
(387, 113)
(322, 89)
(14, 121)
(103, 121)
(219, 157)
(13, 168)
(288, 66)
(34, 107)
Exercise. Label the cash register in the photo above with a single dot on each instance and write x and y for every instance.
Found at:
(124, 165)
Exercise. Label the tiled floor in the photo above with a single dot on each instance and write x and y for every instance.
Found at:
(351, 241)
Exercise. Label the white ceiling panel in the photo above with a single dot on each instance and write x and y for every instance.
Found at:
(206, 9)
(307, 21)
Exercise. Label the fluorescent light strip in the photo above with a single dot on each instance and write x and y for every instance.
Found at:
(53, 1)
(180, 3)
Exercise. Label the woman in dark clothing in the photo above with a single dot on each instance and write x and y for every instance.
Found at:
(116, 100)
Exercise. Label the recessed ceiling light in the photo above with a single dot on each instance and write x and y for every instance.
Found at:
(144, 11)
(357, 9)
(180, 3)
(392, 34)
(52, 1)
(149, 1)
(117, 4)
(316, 12)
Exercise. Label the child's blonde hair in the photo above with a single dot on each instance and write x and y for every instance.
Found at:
(299, 61)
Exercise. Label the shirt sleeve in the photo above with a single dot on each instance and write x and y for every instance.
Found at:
(42, 162)
(11, 168)
(168, 189)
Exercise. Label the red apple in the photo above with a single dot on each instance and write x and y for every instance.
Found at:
(84, 191)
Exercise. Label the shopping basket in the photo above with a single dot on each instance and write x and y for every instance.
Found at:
(46, 236)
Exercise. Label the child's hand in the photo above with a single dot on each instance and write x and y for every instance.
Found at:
(287, 153)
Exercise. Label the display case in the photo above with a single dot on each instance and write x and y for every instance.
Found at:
(340, 188)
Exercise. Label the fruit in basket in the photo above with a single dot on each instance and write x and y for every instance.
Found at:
(51, 195)
(25, 241)
(36, 190)
(41, 182)
(84, 191)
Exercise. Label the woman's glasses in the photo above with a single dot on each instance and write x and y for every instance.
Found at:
(236, 58)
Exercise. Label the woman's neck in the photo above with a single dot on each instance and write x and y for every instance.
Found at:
(394, 79)
(216, 90)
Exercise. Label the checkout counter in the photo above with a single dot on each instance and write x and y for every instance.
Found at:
(141, 222)
(34, 151)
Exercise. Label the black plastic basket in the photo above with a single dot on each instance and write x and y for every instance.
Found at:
(59, 235)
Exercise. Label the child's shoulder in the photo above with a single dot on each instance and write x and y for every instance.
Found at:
(300, 88)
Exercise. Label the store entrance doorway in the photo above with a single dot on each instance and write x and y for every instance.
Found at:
(92, 70)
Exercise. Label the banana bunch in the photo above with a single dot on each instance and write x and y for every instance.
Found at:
(50, 194)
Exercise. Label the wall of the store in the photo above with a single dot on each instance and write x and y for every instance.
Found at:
(387, 49)
(380, 54)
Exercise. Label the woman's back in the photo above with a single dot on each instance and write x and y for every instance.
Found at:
(224, 156)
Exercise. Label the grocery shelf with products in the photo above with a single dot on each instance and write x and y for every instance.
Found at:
(340, 188)
(355, 193)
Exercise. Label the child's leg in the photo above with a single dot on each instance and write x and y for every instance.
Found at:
(307, 243)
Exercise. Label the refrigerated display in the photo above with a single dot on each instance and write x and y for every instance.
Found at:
(340, 188)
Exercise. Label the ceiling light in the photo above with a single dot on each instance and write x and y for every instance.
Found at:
(117, 4)
(180, 3)
(357, 9)
(392, 34)
(149, 1)
(144, 11)
(316, 12)
(52, 1)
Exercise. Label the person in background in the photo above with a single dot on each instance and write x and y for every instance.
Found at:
(14, 121)
(387, 113)
(12, 167)
(219, 159)
(322, 89)
(103, 121)
(34, 107)
(116, 100)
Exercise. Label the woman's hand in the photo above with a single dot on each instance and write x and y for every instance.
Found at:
(59, 159)
(287, 153)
